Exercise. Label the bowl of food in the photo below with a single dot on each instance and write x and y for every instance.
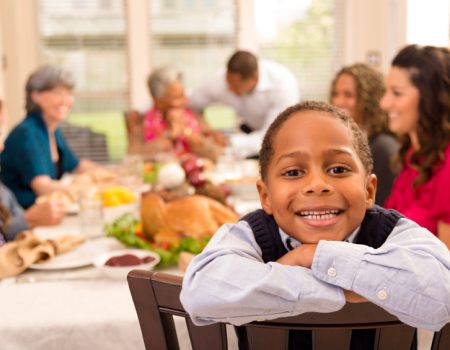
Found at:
(116, 264)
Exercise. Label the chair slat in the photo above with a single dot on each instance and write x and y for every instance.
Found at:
(263, 338)
(396, 338)
(441, 340)
(207, 337)
(337, 339)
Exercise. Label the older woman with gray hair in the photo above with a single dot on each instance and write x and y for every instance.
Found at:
(169, 125)
(36, 155)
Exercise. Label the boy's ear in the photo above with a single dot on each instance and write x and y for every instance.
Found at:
(371, 190)
(264, 196)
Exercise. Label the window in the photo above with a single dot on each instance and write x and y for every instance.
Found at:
(302, 35)
(87, 37)
(196, 36)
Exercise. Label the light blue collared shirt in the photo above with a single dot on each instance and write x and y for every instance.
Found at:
(290, 242)
(408, 276)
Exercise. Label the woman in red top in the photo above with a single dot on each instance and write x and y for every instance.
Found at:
(417, 100)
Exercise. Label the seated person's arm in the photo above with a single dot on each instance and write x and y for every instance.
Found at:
(43, 184)
(245, 288)
(85, 165)
(204, 147)
(39, 214)
(216, 136)
(444, 233)
(412, 265)
(45, 214)
(199, 143)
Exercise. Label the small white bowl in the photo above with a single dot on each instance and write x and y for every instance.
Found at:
(120, 272)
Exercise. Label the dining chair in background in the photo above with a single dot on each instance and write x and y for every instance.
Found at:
(156, 299)
(86, 144)
(134, 124)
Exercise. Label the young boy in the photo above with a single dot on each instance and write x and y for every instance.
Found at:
(319, 240)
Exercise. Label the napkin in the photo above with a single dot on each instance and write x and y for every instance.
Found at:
(27, 249)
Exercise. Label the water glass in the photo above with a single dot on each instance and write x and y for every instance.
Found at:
(133, 171)
(91, 217)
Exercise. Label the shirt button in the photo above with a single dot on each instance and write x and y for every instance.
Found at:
(382, 294)
(332, 272)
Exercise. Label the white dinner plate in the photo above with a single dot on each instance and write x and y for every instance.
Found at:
(81, 256)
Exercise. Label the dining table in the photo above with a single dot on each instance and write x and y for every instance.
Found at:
(70, 304)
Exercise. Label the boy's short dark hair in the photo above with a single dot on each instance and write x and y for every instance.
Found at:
(359, 138)
(243, 63)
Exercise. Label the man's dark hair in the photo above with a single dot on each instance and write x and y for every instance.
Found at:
(243, 63)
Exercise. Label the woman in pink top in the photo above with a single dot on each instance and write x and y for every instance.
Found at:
(417, 100)
(169, 125)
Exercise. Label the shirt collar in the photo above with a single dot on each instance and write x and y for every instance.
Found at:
(38, 118)
(291, 243)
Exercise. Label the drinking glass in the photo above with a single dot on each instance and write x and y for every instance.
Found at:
(91, 216)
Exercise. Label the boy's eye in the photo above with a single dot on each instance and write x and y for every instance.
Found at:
(338, 170)
(292, 172)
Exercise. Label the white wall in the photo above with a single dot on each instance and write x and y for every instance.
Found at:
(19, 38)
(374, 30)
(428, 22)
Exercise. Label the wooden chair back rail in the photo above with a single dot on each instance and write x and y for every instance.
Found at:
(156, 298)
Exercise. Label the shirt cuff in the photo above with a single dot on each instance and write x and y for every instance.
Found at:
(337, 263)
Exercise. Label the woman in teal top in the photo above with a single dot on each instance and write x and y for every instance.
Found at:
(36, 155)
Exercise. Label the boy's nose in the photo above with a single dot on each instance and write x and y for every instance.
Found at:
(317, 185)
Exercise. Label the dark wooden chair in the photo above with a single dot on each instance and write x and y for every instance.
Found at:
(156, 298)
(86, 143)
(134, 124)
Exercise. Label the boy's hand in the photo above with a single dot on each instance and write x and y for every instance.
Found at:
(300, 256)
(352, 297)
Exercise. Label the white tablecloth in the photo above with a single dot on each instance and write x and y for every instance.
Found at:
(68, 315)
(73, 309)
(68, 309)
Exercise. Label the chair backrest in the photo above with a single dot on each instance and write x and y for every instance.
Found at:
(156, 299)
(86, 143)
(134, 122)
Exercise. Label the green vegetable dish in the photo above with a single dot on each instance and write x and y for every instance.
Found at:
(128, 230)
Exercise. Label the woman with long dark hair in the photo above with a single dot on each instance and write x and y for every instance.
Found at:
(417, 101)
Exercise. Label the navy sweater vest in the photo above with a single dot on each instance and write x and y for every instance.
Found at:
(375, 228)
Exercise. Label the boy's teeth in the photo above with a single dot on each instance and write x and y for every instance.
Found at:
(323, 212)
(319, 215)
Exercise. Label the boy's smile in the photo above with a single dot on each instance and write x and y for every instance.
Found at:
(316, 186)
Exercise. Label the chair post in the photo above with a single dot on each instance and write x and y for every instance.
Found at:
(441, 339)
(157, 330)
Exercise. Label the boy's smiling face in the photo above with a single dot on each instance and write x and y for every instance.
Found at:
(316, 185)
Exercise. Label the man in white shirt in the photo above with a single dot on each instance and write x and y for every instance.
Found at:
(258, 90)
